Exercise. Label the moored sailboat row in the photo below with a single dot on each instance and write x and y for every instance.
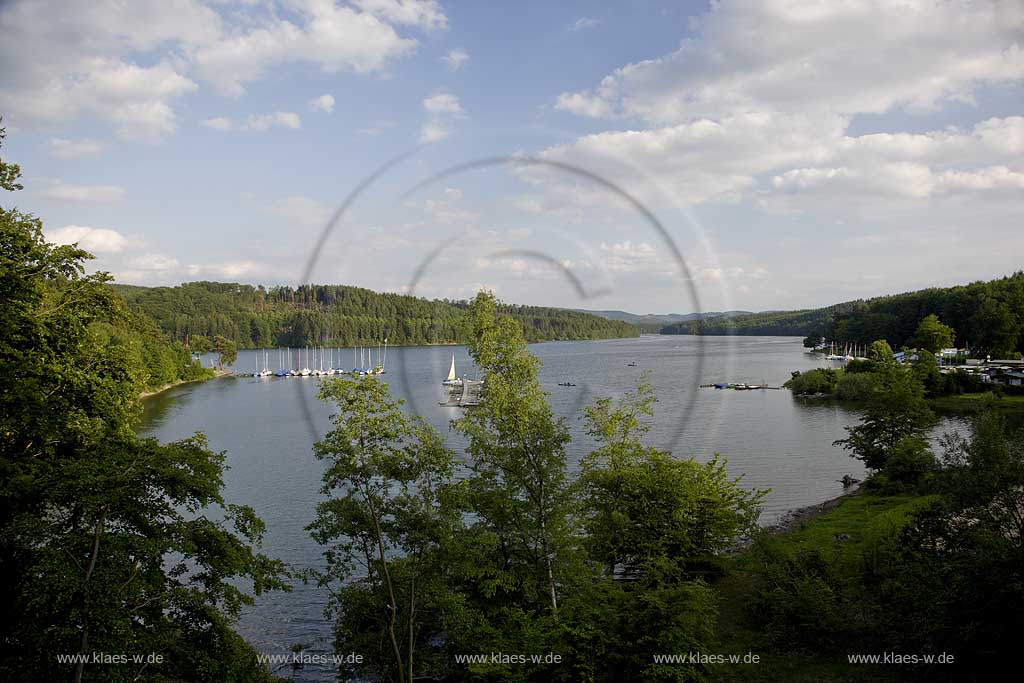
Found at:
(323, 360)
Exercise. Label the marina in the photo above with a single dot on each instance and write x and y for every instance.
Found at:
(326, 362)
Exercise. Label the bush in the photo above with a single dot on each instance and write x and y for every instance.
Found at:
(857, 365)
(801, 604)
(855, 387)
(909, 465)
(817, 381)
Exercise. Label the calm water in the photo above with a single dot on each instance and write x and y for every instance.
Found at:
(267, 427)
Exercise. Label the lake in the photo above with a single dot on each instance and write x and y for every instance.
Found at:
(268, 425)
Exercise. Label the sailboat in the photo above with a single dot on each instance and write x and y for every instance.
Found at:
(378, 369)
(264, 372)
(452, 380)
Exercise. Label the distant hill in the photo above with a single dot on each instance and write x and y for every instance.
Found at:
(659, 319)
(257, 317)
(988, 317)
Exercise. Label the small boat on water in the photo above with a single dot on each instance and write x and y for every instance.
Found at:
(566, 384)
(631, 364)
(265, 372)
(452, 380)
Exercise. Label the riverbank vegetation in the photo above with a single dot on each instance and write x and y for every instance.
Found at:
(109, 543)
(987, 316)
(929, 569)
(338, 315)
(859, 380)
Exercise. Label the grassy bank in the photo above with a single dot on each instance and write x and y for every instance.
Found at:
(843, 534)
(973, 403)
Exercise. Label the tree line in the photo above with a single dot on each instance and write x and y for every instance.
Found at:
(338, 315)
(987, 317)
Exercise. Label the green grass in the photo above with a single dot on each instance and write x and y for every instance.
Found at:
(866, 519)
(971, 403)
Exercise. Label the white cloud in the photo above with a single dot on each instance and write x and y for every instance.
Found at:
(153, 262)
(324, 103)
(219, 123)
(64, 60)
(456, 58)
(442, 103)
(128, 64)
(701, 160)
(836, 57)
(95, 240)
(333, 37)
(584, 23)
(284, 119)
(257, 122)
(62, 148)
(426, 14)
(440, 108)
(433, 131)
(85, 194)
(584, 104)
(231, 270)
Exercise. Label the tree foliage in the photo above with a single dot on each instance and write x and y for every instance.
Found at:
(108, 543)
(897, 410)
(932, 335)
(391, 517)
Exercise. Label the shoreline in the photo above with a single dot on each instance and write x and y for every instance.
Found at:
(793, 519)
(796, 517)
(159, 390)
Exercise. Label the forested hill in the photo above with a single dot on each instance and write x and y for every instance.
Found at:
(987, 316)
(336, 315)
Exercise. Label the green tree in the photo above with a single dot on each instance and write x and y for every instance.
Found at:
(392, 515)
(999, 328)
(227, 351)
(661, 523)
(647, 512)
(932, 335)
(880, 351)
(200, 344)
(896, 410)
(108, 543)
(521, 549)
(926, 370)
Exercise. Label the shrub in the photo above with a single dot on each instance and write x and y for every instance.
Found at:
(908, 466)
(817, 381)
(855, 387)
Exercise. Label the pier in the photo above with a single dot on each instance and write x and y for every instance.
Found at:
(465, 396)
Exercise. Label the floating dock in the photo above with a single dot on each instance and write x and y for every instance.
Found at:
(739, 386)
(465, 396)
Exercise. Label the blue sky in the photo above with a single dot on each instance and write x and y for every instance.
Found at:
(796, 153)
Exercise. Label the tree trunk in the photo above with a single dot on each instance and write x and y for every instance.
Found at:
(85, 616)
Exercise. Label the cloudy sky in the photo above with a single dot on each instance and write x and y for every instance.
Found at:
(648, 156)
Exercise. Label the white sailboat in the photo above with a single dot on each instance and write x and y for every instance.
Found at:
(452, 380)
(378, 369)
